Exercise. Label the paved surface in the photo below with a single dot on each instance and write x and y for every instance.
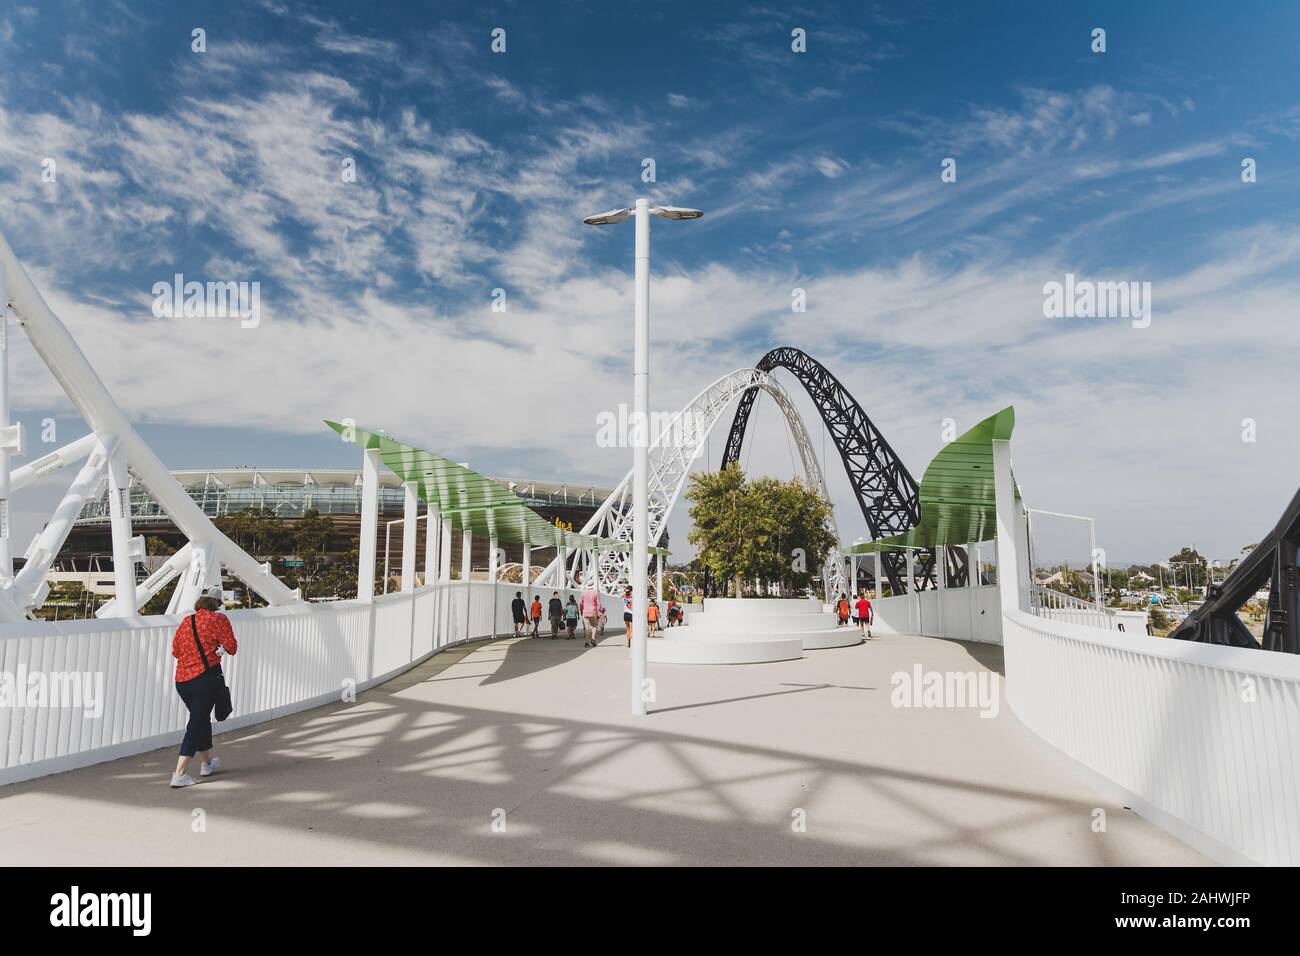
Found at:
(537, 733)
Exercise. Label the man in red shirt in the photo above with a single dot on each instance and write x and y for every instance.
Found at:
(863, 608)
(197, 638)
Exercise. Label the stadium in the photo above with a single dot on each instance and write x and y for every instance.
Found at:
(283, 496)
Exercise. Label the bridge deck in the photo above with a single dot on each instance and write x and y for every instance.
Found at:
(414, 771)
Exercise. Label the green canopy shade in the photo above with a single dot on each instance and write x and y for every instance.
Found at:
(958, 505)
(470, 501)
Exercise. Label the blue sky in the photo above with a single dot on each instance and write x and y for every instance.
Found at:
(817, 170)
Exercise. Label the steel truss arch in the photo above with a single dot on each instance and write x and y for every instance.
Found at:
(673, 451)
(887, 493)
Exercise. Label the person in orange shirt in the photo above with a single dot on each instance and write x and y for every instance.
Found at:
(197, 668)
(842, 611)
(536, 613)
(652, 613)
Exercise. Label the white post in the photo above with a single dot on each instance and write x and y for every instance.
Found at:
(1096, 580)
(640, 456)
(913, 598)
(466, 552)
(562, 556)
(853, 577)
(369, 525)
(880, 591)
(119, 512)
(444, 551)
(1008, 527)
(410, 528)
(493, 544)
(659, 578)
(527, 569)
(6, 552)
(432, 530)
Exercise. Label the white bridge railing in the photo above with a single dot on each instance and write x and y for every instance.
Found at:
(1202, 739)
(290, 659)
(1048, 603)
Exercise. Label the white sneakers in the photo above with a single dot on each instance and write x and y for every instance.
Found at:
(205, 770)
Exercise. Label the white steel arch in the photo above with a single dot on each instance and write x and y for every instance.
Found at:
(672, 453)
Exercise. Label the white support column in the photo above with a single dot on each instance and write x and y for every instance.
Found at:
(1010, 525)
(444, 552)
(659, 578)
(527, 569)
(6, 550)
(432, 532)
(410, 528)
(940, 585)
(466, 553)
(119, 516)
(880, 591)
(494, 566)
(369, 525)
(562, 557)
(853, 576)
(913, 598)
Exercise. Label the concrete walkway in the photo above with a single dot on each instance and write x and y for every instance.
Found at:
(537, 734)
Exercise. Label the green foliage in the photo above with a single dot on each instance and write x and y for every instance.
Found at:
(765, 529)
(1159, 619)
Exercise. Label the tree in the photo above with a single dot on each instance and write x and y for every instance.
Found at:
(769, 530)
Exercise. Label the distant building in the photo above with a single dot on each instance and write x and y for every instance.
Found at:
(87, 556)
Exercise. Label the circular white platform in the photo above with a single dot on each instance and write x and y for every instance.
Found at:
(750, 631)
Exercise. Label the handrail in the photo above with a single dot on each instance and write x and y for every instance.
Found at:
(1045, 602)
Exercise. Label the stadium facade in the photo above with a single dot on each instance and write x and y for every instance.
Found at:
(289, 493)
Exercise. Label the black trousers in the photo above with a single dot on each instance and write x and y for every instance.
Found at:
(197, 695)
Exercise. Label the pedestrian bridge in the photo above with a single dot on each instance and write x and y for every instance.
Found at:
(522, 751)
(450, 727)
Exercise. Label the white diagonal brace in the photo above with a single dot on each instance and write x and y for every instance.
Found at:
(27, 583)
(55, 345)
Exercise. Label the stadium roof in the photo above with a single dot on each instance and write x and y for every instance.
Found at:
(472, 501)
(563, 491)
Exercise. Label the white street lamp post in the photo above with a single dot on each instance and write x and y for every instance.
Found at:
(641, 437)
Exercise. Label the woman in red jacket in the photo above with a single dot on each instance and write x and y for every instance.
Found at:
(211, 629)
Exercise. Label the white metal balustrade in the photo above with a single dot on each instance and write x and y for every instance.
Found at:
(1057, 606)
(290, 659)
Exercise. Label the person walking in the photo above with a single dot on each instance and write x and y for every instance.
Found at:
(555, 611)
(199, 682)
(589, 606)
(627, 614)
(571, 616)
(536, 613)
(864, 614)
(652, 617)
(519, 611)
(842, 610)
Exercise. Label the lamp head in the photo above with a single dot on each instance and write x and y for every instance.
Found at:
(676, 212)
(608, 218)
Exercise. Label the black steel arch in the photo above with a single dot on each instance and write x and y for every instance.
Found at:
(886, 491)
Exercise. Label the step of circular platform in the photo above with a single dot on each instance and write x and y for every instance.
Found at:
(681, 650)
